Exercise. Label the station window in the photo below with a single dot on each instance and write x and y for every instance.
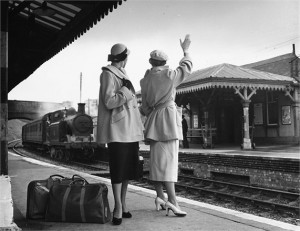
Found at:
(272, 108)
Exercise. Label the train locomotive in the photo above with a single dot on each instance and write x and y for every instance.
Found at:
(64, 134)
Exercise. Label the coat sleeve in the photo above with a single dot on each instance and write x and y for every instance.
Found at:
(182, 71)
(145, 108)
(112, 93)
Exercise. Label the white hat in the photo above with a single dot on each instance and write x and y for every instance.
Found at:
(118, 52)
(158, 55)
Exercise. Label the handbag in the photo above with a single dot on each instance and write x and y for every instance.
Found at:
(38, 194)
(78, 201)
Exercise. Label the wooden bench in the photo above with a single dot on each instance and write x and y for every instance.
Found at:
(194, 133)
(205, 134)
(199, 132)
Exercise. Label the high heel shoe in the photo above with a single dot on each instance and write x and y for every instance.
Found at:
(160, 202)
(175, 210)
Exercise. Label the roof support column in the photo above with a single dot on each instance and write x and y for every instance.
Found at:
(205, 108)
(6, 221)
(3, 87)
(246, 139)
(247, 144)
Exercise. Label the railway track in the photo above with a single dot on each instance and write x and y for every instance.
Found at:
(98, 167)
(274, 204)
(274, 199)
(13, 146)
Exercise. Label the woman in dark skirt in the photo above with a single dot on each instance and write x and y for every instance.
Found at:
(123, 161)
(119, 126)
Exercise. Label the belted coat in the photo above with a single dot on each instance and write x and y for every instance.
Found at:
(119, 117)
(158, 90)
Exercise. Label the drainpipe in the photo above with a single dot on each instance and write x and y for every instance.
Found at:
(296, 102)
(294, 65)
(296, 111)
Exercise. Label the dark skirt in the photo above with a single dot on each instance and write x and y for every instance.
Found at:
(123, 161)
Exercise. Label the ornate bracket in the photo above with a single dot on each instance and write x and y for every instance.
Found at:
(245, 95)
(288, 93)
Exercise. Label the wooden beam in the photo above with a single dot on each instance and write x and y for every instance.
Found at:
(237, 91)
(288, 93)
(253, 91)
(19, 8)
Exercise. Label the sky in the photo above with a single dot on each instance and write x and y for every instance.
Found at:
(237, 32)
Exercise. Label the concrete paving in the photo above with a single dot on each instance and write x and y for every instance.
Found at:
(140, 202)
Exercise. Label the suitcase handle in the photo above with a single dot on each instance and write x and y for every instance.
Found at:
(77, 176)
(82, 180)
(57, 175)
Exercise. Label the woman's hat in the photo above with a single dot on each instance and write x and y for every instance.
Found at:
(118, 53)
(158, 55)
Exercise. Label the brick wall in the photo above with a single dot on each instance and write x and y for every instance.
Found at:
(258, 177)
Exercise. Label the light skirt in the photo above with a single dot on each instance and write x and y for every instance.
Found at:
(164, 160)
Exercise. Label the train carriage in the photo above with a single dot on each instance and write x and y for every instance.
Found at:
(34, 132)
(64, 134)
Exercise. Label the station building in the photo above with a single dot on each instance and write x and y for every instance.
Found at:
(257, 103)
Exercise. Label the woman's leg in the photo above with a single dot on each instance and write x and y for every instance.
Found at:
(159, 189)
(117, 188)
(170, 187)
(172, 202)
(123, 196)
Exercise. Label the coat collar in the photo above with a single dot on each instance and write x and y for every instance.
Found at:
(120, 73)
(159, 68)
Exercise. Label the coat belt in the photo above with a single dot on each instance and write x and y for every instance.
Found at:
(163, 105)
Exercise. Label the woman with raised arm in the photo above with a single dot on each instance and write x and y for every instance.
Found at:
(163, 127)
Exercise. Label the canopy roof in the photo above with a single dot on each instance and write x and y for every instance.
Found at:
(227, 75)
(34, 39)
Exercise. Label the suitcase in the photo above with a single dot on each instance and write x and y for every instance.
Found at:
(38, 195)
(78, 201)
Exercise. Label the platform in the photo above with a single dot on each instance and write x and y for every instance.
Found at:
(140, 202)
(271, 151)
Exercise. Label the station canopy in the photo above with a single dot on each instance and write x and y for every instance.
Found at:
(38, 30)
(231, 76)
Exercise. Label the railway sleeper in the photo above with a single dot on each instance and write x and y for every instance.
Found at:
(210, 186)
(294, 203)
(226, 188)
(238, 192)
(256, 195)
(275, 206)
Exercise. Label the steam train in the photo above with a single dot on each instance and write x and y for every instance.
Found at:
(64, 134)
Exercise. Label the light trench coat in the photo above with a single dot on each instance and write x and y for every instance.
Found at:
(119, 118)
(158, 89)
